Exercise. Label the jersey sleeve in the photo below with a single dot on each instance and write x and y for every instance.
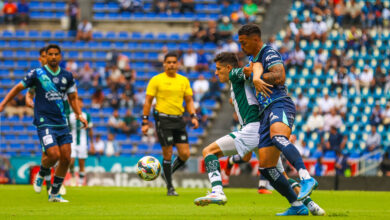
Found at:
(71, 84)
(151, 89)
(237, 75)
(29, 80)
(271, 57)
(188, 90)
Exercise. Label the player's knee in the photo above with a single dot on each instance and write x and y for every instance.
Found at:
(211, 150)
(53, 156)
(247, 157)
(184, 156)
(280, 141)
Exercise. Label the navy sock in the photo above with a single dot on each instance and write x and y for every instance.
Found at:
(44, 171)
(279, 182)
(57, 184)
(167, 172)
(177, 164)
(289, 150)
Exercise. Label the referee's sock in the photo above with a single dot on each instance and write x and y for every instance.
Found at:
(177, 164)
(167, 172)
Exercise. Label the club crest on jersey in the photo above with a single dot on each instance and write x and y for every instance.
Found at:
(63, 80)
(56, 80)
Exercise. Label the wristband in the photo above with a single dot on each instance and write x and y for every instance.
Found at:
(145, 117)
(144, 123)
(194, 115)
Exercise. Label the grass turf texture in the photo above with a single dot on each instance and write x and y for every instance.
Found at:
(21, 202)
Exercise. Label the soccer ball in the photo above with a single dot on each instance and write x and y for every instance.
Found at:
(148, 168)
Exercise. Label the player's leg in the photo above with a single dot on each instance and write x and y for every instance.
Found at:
(46, 173)
(71, 169)
(51, 156)
(282, 116)
(81, 172)
(236, 159)
(62, 169)
(268, 159)
(313, 207)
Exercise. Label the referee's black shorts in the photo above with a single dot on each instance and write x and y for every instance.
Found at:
(170, 129)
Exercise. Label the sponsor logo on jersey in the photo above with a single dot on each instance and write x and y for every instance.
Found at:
(63, 80)
(271, 56)
(56, 80)
(52, 96)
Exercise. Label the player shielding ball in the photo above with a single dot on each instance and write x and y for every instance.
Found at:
(51, 84)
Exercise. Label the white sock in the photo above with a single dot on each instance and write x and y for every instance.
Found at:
(296, 203)
(262, 183)
(311, 205)
(48, 178)
(231, 160)
(217, 189)
(304, 174)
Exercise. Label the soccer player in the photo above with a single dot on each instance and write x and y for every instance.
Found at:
(169, 89)
(51, 84)
(241, 142)
(277, 115)
(80, 142)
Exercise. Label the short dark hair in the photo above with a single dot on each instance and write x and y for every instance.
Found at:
(227, 58)
(171, 54)
(250, 29)
(51, 46)
(43, 49)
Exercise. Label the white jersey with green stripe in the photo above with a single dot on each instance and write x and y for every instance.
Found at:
(244, 100)
(80, 136)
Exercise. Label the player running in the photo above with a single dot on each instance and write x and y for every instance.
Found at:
(240, 142)
(51, 84)
(277, 115)
(81, 137)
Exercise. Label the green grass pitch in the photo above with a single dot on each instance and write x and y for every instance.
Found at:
(21, 202)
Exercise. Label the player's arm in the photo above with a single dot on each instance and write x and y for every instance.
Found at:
(259, 84)
(146, 111)
(191, 109)
(10, 96)
(90, 134)
(276, 75)
(72, 98)
(30, 98)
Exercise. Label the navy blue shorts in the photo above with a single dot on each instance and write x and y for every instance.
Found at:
(54, 136)
(282, 110)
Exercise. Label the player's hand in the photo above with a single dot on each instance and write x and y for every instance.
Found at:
(248, 70)
(145, 129)
(85, 122)
(195, 122)
(262, 87)
(92, 150)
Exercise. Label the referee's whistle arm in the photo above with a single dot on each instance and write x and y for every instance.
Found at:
(195, 123)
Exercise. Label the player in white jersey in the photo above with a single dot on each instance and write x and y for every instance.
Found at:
(241, 142)
(81, 137)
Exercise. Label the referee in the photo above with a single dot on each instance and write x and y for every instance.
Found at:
(169, 89)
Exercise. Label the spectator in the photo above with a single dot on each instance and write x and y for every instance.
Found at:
(353, 79)
(332, 119)
(187, 6)
(320, 59)
(114, 97)
(226, 9)
(295, 28)
(272, 42)
(130, 6)
(376, 116)
(97, 98)
(18, 107)
(339, 12)
(346, 60)
(367, 78)
(150, 137)
(160, 6)
(378, 11)
(99, 145)
(73, 11)
(340, 103)
(173, 6)
(320, 29)
(84, 31)
(225, 28)
(139, 98)
(301, 146)
(212, 34)
(340, 80)
(214, 91)
(200, 88)
(129, 123)
(319, 168)
(334, 60)
(368, 15)
(202, 61)
(385, 164)
(10, 9)
(85, 76)
(23, 13)
(365, 40)
(231, 46)
(1, 12)
(129, 74)
(374, 140)
(190, 59)
(321, 8)
(386, 115)
(250, 10)
(197, 32)
(380, 77)
(301, 104)
(115, 78)
(353, 11)
(341, 164)
(326, 103)
(285, 56)
(387, 85)
(297, 57)
(308, 30)
(72, 67)
(111, 148)
(352, 39)
(115, 123)
(202, 115)
(315, 122)
(160, 57)
(336, 140)
(127, 100)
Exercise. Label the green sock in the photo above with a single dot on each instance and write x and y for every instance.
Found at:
(293, 183)
(307, 201)
(214, 171)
